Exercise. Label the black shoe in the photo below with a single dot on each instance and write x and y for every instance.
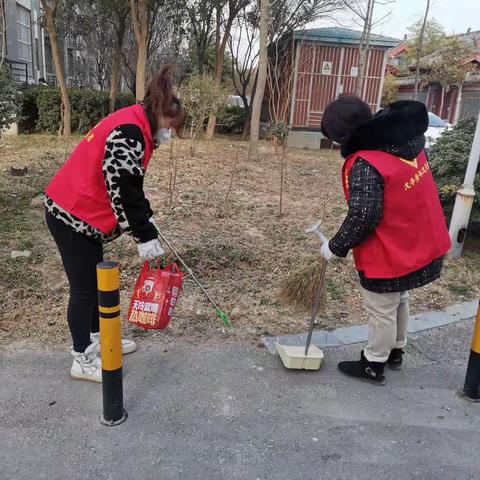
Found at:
(395, 359)
(371, 372)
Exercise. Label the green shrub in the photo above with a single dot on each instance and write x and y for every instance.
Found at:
(449, 159)
(89, 108)
(48, 105)
(10, 99)
(231, 119)
(41, 108)
(124, 100)
(29, 110)
(278, 131)
(201, 97)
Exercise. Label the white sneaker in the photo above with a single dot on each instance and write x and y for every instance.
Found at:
(87, 365)
(128, 346)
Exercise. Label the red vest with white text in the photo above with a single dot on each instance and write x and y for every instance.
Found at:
(413, 231)
(79, 186)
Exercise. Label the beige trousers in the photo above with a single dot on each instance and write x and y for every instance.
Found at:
(387, 323)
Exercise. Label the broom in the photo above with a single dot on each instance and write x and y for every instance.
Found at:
(299, 287)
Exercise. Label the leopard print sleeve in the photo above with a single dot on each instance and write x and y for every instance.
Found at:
(123, 173)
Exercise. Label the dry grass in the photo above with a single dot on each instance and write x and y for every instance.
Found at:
(223, 218)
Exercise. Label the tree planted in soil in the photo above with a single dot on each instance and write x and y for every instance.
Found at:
(50, 8)
(201, 98)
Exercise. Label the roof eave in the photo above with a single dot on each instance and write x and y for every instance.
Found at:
(304, 35)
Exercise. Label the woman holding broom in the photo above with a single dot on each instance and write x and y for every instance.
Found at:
(96, 196)
(395, 224)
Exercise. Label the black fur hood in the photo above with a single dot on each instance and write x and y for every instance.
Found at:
(396, 127)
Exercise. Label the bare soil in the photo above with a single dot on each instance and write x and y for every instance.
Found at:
(222, 212)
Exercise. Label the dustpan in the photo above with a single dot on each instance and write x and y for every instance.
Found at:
(294, 357)
(308, 357)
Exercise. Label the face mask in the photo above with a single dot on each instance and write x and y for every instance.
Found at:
(163, 136)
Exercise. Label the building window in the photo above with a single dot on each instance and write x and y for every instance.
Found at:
(48, 56)
(72, 42)
(23, 34)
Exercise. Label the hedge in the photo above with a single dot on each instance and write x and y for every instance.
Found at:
(449, 158)
(41, 108)
(9, 100)
(231, 120)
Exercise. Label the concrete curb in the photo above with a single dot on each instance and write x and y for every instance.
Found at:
(359, 333)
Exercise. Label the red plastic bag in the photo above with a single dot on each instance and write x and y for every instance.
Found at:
(155, 296)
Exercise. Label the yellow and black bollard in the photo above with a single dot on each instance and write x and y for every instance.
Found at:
(471, 389)
(108, 280)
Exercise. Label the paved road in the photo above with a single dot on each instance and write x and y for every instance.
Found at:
(231, 412)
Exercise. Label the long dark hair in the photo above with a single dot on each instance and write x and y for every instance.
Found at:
(160, 100)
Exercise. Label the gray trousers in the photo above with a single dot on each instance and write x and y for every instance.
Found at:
(388, 315)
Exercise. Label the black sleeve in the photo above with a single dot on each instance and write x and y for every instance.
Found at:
(365, 208)
(123, 172)
(149, 208)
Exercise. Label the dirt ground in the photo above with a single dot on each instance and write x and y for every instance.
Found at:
(222, 212)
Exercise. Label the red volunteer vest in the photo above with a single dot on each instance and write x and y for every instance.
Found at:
(413, 231)
(79, 186)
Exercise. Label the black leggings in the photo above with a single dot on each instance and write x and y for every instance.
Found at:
(80, 255)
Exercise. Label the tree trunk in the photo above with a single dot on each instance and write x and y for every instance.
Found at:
(201, 60)
(212, 122)
(212, 119)
(282, 170)
(141, 30)
(420, 51)
(458, 104)
(141, 67)
(363, 49)
(115, 80)
(116, 64)
(246, 125)
(262, 77)
(219, 56)
(66, 130)
(248, 117)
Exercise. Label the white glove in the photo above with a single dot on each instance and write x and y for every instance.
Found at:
(150, 250)
(326, 252)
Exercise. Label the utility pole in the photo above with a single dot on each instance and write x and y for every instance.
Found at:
(464, 200)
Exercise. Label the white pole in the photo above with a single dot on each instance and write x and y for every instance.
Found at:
(464, 200)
